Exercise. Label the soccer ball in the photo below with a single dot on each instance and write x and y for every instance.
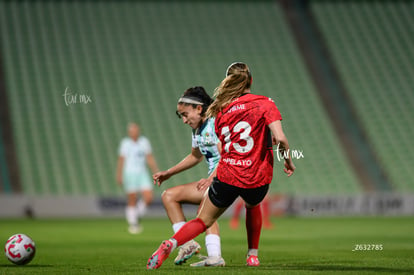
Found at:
(20, 249)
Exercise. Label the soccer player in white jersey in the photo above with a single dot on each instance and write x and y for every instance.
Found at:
(135, 154)
(191, 109)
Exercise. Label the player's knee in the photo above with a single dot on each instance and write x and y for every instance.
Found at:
(148, 197)
(131, 202)
(250, 206)
(148, 200)
(132, 199)
(209, 223)
(167, 196)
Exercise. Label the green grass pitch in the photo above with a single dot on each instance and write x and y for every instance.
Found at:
(295, 246)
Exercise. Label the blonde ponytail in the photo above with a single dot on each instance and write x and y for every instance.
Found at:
(238, 79)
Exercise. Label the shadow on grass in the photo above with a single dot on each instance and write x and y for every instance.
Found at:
(26, 266)
(341, 268)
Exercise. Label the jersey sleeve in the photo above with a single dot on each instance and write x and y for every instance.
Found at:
(123, 148)
(271, 112)
(194, 143)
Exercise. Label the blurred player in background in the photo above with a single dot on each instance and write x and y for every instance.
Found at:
(191, 109)
(135, 154)
(244, 123)
(265, 204)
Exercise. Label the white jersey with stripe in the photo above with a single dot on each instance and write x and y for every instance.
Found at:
(205, 139)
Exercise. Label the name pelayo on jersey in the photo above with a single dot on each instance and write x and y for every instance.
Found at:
(247, 154)
(205, 139)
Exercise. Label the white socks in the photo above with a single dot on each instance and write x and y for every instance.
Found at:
(141, 208)
(213, 245)
(177, 226)
(253, 252)
(131, 215)
(174, 242)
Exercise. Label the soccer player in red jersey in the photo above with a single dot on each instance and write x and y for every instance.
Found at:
(244, 124)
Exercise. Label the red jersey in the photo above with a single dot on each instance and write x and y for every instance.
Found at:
(247, 154)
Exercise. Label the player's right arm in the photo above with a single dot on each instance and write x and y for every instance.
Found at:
(122, 153)
(119, 169)
(192, 159)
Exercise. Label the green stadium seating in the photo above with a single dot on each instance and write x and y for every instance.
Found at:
(134, 59)
(371, 44)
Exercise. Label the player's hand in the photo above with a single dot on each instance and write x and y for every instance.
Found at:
(289, 167)
(203, 184)
(160, 177)
(274, 141)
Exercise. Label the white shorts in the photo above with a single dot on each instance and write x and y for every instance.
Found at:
(135, 182)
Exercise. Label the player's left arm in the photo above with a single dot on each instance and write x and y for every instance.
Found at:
(274, 122)
(281, 140)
